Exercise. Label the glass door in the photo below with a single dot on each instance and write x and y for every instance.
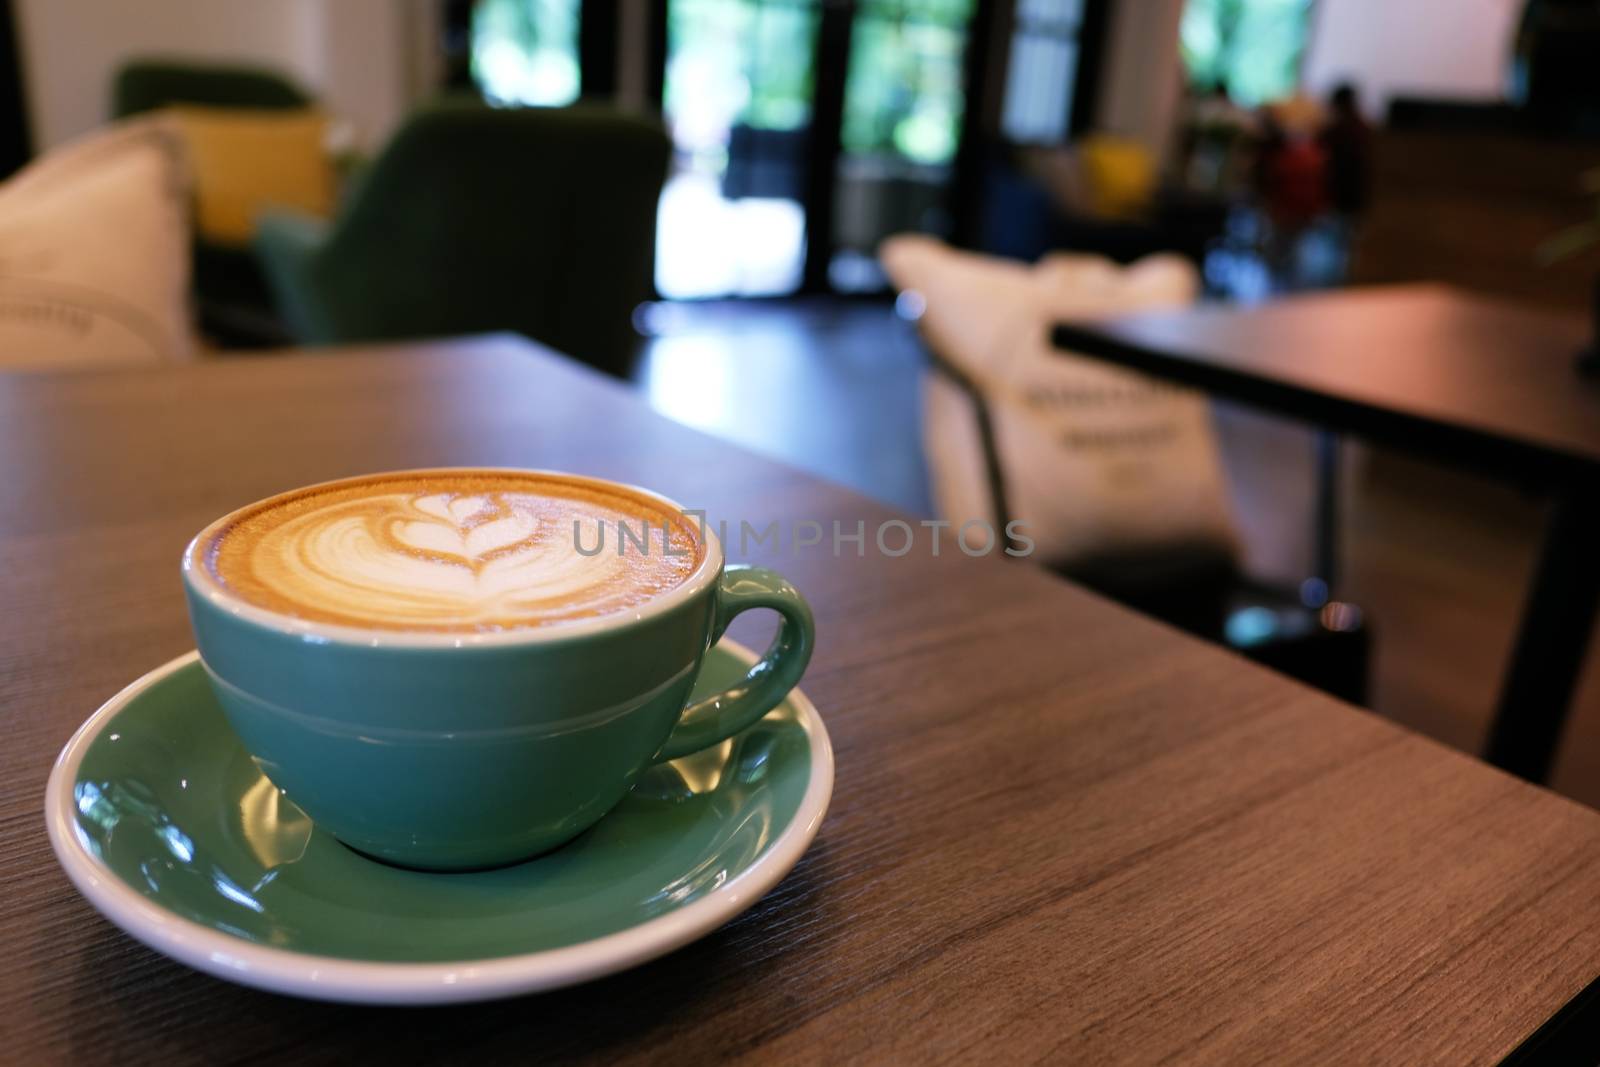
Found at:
(738, 102)
(806, 131)
(526, 51)
(904, 107)
(1249, 48)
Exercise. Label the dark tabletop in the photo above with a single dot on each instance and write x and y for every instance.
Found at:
(1468, 378)
(1060, 832)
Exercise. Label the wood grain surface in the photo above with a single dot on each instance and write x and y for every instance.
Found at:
(1060, 833)
(1471, 380)
(1472, 208)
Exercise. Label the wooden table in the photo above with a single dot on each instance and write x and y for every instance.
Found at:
(1471, 381)
(1061, 833)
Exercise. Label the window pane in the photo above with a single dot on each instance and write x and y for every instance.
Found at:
(1251, 47)
(904, 101)
(903, 90)
(1049, 12)
(1039, 84)
(738, 102)
(526, 51)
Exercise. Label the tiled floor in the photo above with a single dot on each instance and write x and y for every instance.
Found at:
(1439, 560)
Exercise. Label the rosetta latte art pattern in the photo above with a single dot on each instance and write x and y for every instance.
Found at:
(454, 557)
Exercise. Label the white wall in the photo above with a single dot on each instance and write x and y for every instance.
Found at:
(1142, 80)
(1442, 48)
(354, 54)
(362, 76)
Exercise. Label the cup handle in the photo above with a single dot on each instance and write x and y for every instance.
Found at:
(717, 718)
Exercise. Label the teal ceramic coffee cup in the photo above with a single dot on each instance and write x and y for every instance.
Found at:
(451, 751)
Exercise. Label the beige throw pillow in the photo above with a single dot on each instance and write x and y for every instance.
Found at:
(95, 253)
(1096, 460)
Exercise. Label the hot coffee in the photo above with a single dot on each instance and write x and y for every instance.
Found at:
(454, 551)
(453, 669)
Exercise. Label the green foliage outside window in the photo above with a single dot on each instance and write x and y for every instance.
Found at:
(752, 60)
(1252, 47)
(526, 51)
(761, 51)
(903, 93)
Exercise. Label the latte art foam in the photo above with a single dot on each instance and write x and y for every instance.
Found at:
(474, 551)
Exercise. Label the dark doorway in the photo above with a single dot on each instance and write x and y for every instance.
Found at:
(15, 143)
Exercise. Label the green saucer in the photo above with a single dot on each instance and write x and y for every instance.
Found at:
(164, 822)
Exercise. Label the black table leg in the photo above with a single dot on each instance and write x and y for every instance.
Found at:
(1327, 516)
(1551, 642)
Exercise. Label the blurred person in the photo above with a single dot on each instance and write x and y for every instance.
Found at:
(1346, 142)
(1291, 177)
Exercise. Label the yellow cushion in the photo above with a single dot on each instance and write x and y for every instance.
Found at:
(1120, 174)
(247, 160)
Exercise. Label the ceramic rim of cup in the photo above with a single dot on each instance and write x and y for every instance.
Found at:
(200, 579)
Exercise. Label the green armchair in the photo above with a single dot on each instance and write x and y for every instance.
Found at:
(473, 219)
(149, 84)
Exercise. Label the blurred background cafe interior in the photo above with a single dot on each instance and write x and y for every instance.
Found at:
(1274, 320)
